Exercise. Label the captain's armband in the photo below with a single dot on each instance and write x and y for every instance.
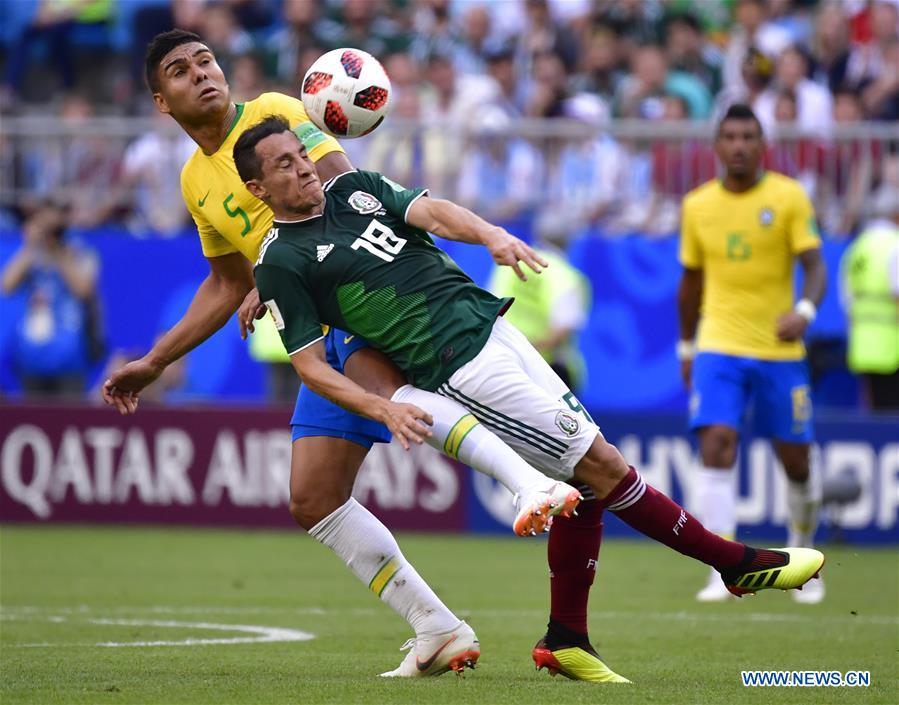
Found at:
(309, 135)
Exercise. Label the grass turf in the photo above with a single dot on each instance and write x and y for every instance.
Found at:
(59, 584)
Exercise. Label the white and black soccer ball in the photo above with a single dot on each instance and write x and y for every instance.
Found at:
(346, 92)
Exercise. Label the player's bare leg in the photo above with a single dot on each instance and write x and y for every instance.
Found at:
(716, 495)
(322, 473)
(803, 501)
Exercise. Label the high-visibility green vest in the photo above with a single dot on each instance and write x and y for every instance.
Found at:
(534, 302)
(265, 342)
(874, 309)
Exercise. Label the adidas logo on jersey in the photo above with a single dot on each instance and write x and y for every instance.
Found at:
(322, 251)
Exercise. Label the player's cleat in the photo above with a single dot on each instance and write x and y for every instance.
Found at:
(539, 503)
(715, 590)
(811, 593)
(575, 662)
(775, 569)
(435, 654)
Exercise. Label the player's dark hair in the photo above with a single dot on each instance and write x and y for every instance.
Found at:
(739, 111)
(161, 45)
(245, 158)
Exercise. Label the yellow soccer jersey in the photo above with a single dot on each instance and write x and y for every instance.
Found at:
(746, 243)
(228, 217)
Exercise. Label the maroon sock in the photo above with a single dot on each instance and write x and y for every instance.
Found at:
(650, 512)
(572, 552)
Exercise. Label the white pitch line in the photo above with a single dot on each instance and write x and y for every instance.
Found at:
(20, 612)
(262, 635)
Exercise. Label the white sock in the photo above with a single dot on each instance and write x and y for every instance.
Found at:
(803, 501)
(370, 551)
(458, 434)
(716, 500)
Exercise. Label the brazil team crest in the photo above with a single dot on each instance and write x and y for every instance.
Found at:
(766, 216)
(567, 423)
(363, 202)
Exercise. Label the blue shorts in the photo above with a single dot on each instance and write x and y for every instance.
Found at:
(779, 389)
(316, 416)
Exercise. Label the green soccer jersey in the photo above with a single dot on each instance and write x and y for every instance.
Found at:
(361, 268)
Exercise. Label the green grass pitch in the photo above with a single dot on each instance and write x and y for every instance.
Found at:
(65, 590)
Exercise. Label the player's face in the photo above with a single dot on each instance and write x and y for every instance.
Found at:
(289, 182)
(739, 146)
(191, 84)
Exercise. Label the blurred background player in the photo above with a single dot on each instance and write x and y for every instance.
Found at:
(740, 237)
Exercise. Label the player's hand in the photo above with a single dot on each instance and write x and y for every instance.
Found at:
(791, 326)
(686, 373)
(508, 250)
(252, 309)
(407, 422)
(122, 388)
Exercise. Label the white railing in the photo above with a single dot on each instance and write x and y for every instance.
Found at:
(621, 176)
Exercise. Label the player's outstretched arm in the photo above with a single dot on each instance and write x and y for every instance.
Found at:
(223, 290)
(403, 420)
(453, 222)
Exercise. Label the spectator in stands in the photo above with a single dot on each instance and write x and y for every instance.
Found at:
(499, 177)
(366, 27)
(869, 59)
(224, 35)
(469, 56)
(678, 166)
(757, 72)
(157, 207)
(848, 171)
(600, 66)
(58, 335)
(434, 32)
(636, 22)
(248, 81)
(588, 182)
(501, 68)
(549, 89)
(881, 96)
(814, 104)
(752, 30)
(689, 52)
(54, 27)
(542, 35)
(443, 98)
(304, 27)
(80, 169)
(831, 45)
(799, 157)
(641, 93)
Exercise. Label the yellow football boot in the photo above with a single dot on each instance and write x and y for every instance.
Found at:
(576, 663)
(776, 569)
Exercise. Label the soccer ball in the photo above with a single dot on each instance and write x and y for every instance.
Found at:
(346, 92)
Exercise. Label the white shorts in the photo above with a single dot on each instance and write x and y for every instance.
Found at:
(512, 390)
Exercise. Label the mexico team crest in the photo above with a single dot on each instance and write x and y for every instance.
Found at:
(766, 216)
(363, 202)
(567, 423)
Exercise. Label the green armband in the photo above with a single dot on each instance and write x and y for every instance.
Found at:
(309, 135)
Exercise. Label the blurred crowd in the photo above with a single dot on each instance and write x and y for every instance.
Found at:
(464, 73)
